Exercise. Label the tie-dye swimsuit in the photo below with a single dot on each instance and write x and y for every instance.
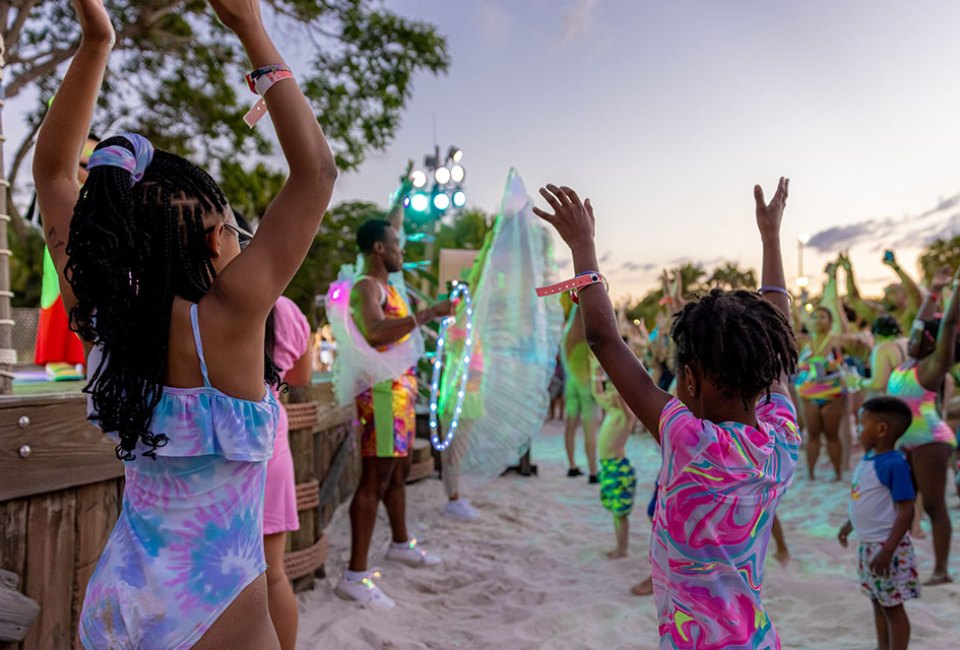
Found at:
(720, 484)
(189, 538)
(927, 425)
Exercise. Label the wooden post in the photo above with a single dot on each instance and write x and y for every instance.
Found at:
(8, 356)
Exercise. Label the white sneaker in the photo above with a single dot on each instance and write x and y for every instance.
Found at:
(461, 509)
(365, 590)
(410, 554)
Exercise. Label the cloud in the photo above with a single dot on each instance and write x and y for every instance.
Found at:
(909, 231)
(494, 22)
(577, 19)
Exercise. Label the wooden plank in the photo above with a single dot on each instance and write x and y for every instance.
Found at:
(17, 612)
(13, 544)
(51, 534)
(97, 510)
(65, 450)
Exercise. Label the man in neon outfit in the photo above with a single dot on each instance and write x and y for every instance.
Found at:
(385, 413)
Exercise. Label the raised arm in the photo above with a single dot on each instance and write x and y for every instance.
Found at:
(253, 281)
(914, 296)
(864, 311)
(932, 370)
(574, 221)
(773, 281)
(64, 133)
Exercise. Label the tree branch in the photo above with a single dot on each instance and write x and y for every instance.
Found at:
(30, 74)
(12, 36)
(16, 220)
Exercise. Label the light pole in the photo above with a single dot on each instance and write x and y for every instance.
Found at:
(437, 189)
(802, 280)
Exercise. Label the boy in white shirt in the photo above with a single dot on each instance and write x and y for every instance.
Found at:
(880, 512)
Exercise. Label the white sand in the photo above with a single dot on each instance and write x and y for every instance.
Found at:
(532, 573)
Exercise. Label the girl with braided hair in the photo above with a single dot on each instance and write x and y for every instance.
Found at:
(729, 439)
(173, 319)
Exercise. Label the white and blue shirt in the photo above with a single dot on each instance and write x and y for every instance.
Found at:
(879, 481)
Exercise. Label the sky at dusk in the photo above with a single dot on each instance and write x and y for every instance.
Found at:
(666, 113)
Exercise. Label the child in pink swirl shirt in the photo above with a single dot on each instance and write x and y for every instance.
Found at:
(729, 439)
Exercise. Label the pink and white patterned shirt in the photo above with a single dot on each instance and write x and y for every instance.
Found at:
(720, 484)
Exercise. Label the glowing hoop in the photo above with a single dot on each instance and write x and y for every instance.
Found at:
(460, 290)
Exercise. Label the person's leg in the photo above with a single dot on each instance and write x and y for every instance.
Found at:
(375, 474)
(282, 603)
(899, 625)
(245, 624)
(880, 622)
(812, 416)
(783, 553)
(846, 427)
(395, 499)
(621, 529)
(452, 457)
(644, 588)
(590, 438)
(570, 438)
(830, 416)
(930, 463)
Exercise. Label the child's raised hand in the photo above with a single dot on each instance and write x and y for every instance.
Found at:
(769, 215)
(573, 220)
(237, 14)
(94, 21)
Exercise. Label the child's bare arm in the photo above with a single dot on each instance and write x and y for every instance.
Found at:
(881, 563)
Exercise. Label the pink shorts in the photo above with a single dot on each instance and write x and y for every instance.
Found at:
(280, 495)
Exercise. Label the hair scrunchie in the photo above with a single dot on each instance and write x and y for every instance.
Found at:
(116, 156)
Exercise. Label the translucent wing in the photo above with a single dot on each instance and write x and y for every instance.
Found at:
(516, 339)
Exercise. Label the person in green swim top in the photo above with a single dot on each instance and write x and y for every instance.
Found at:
(580, 403)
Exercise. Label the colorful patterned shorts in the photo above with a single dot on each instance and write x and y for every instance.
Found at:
(900, 585)
(387, 418)
(618, 485)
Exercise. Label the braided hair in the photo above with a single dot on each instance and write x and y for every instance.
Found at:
(740, 342)
(131, 251)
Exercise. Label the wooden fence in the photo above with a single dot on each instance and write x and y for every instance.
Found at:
(61, 488)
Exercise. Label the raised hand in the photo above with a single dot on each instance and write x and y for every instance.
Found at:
(844, 260)
(237, 14)
(572, 218)
(769, 215)
(941, 278)
(94, 21)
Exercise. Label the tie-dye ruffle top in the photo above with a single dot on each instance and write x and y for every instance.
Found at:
(719, 486)
(189, 538)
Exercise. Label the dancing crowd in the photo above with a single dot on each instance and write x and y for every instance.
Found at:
(189, 343)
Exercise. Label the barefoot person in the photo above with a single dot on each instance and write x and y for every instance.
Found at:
(881, 510)
(173, 315)
(929, 442)
(386, 415)
(729, 441)
(618, 480)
